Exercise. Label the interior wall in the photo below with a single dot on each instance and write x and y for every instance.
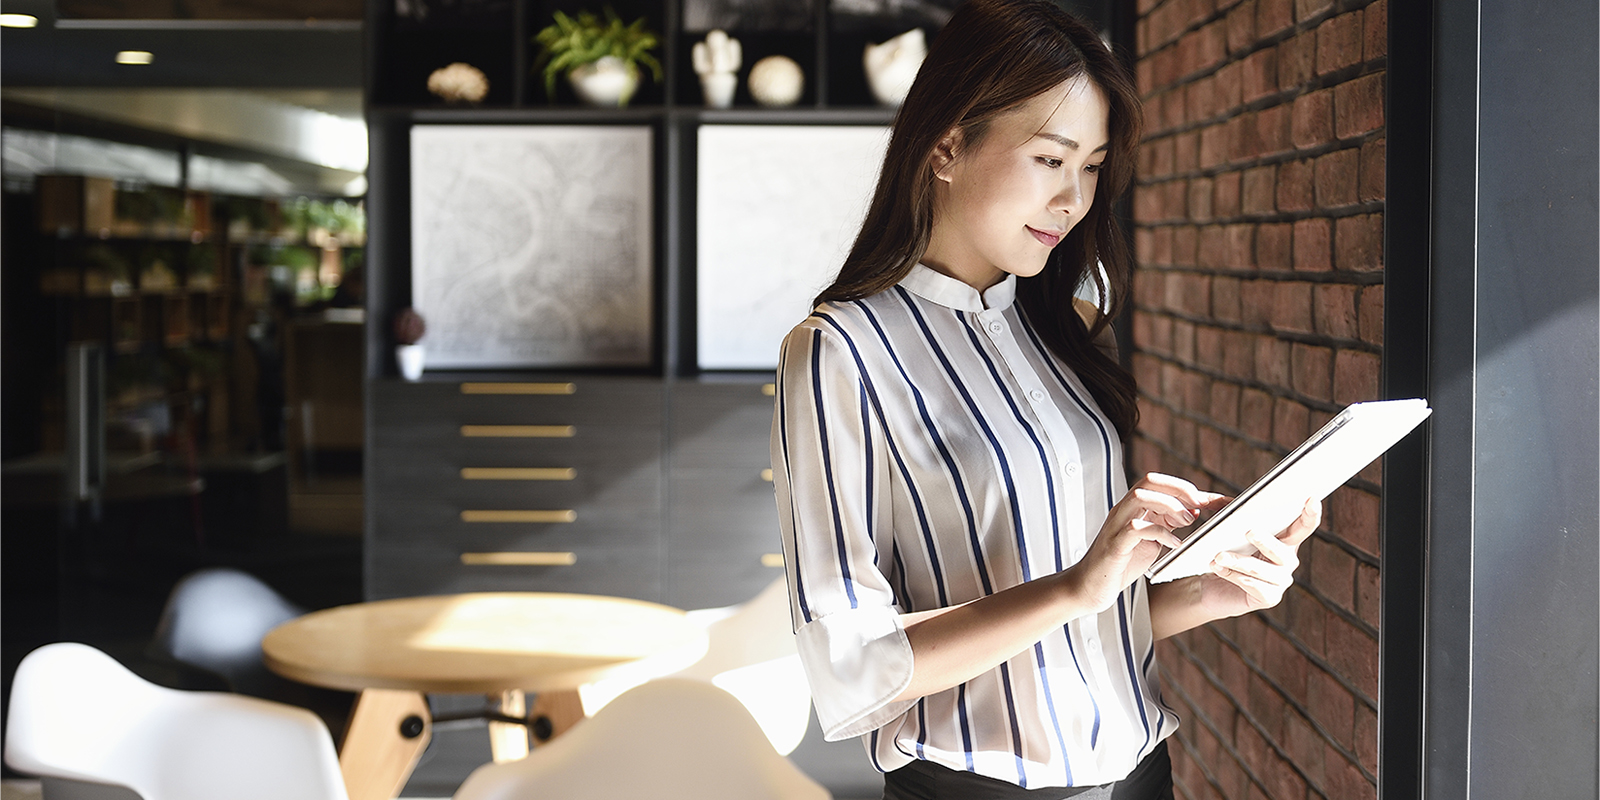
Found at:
(1258, 314)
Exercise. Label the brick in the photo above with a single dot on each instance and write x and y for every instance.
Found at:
(1177, 199)
(1160, 155)
(1200, 98)
(1353, 515)
(1289, 423)
(1312, 371)
(1160, 341)
(1241, 21)
(1147, 204)
(1186, 151)
(1172, 112)
(1334, 310)
(1257, 300)
(1306, 10)
(1172, 382)
(1146, 368)
(1274, 243)
(1283, 781)
(1358, 106)
(1225, 299)
(1354, 655)
(1144, 76)
(1267, 707)
(1295, 189)
(1312, 119)
(1225, 403)
(1312, 251)
(1368, 594)
(1338, 176)
(1375, 31)
(1196, 389)
(1272, 361)
(1141, 37)
(1339, 43)
(1208, 344)
(1144, 245)
(1210, 442)
(1185, 244)
(1214, 145)
(1291, 307)
(1273, 133)
(1273, 16)
(1345, 781)
(1226, 190)
(1259, 185)
(1305, 747)
(1371, 315)
(1330, 704)
(1239, 355)
(1183, 341)
(1366, 738)
(1260, 74)
(1213, 247)
(1356, 376)
(1307, 622)
(1255, 414)
(1144, 6)
(1230, 86)
(1333, 573)
(1241, 248)
(1372, 170)
(1297, 60)
(1358, 243)
(1200, 194)
(1149, 287)
(1242, 144)
(1211, 46)
(1160, 246)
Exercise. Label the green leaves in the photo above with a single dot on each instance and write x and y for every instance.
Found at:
(570, 43)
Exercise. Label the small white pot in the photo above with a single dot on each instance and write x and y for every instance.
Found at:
(608, 82)
(718, 88)
(410, 358)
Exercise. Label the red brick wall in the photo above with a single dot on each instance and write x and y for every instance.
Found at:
(1258, 314)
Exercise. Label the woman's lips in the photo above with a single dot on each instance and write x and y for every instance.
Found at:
(1045, 238)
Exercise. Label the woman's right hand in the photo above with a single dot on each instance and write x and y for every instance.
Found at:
(1139, 525)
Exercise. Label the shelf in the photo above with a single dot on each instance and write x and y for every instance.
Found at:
(574, 115)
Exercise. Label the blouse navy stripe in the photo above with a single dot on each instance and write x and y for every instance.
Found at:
(911, 486)
(783, 438)
(1161, 719)
(944, 452)
(903, 598)
(966, 727)
(1050, 703)
(1016, 729)
(1094, 732)
(1127, 651)
(827, 467)
(869, 493)
(922, 727)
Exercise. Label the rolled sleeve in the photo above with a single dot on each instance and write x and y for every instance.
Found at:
(830, 479)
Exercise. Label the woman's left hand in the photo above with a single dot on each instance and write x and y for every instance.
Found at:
(1241, 584)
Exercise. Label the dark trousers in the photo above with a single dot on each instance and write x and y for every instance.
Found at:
(925, 780)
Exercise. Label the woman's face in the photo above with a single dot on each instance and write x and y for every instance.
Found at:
(1001, 205)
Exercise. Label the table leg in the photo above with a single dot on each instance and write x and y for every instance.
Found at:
(563, 709)
(509, 741)
(388, 731)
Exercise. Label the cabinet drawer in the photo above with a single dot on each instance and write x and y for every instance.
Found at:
(697, 579)
(626, 514)
(622, 447)
(720, 425)
(405, 571)
(603, 401)
(480, 476)
(721, 508)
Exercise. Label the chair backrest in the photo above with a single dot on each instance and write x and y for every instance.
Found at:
(77, 714)
(751, 632)
(215, 618)
(665, 739)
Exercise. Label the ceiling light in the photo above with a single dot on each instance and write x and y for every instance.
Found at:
(18, 20)
(135, 57)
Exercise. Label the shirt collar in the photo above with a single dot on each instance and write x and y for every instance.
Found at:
(940, 288)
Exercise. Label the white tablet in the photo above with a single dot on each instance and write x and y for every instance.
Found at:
(1322, 463)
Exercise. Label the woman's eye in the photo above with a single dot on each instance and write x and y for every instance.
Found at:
(1094, 168)
(1052, 163)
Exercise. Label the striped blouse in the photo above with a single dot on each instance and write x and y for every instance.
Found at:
(927, 450)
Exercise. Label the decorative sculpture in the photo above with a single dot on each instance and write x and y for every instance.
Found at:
(716, 61)
(776, 81)
(459, 83)
(893, 65)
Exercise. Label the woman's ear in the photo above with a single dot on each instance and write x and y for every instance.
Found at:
(944, 154)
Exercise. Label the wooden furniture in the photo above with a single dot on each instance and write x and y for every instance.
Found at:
(499, 644)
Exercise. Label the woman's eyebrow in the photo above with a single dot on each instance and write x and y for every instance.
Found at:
(1068, 143)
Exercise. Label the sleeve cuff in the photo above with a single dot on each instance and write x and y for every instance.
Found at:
(857, 662)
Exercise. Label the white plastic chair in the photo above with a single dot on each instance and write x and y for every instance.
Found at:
(751, 654)
(665, 739)
(77, 714)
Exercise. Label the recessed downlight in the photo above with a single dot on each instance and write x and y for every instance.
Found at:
(135, 57)
(18, 21)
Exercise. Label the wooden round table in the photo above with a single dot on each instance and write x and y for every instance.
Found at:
(501, 644)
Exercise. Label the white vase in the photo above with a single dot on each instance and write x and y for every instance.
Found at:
(411, 358)
(607, 82)
(718, 88)
(892, 66)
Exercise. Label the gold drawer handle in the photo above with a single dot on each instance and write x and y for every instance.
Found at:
(769, 389)
(772, 560)
(518, 473)
(766, 475)
(519, 388)
(522, 559)
(519, 431)
(515, 515)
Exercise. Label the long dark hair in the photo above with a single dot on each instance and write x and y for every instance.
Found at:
(992, 56)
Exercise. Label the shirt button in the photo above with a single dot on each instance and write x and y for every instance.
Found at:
(997, 327)
(1036, 395)
(1072, 469)
(1094, 645)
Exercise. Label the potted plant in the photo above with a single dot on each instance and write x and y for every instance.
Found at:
(601, 58)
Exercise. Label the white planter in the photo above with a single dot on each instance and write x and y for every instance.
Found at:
(608, 82)
(718, 88)
(411, 358)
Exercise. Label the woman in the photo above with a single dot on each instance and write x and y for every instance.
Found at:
(965, 559)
